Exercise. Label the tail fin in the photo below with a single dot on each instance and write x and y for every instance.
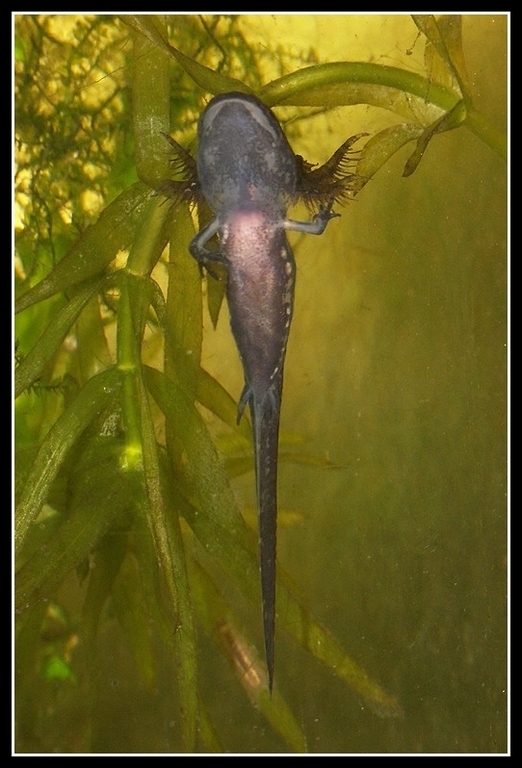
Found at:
(265, 412)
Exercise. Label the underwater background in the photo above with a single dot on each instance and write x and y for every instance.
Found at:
(396, 538)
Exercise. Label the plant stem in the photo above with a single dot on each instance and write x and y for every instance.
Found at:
(488, 133)
(293, 88)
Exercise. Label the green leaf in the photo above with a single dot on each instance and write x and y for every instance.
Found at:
(203, 470)
(150, 108)
(150, 236)
(107, 558)
(215, 294)
(344, 83)
(445, 37)
(486, 132)
(212, 395)
(133, 614)
(101, 494)
(184, 308)
(56, 668)
(49, 342)
(221, 624)
(208, 79)
(56, 445)
(446, 123)
(380, 147)
(95, 249)
(164, 527)
(301, 625)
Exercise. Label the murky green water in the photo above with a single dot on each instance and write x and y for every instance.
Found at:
(405, 546)
(396, 373)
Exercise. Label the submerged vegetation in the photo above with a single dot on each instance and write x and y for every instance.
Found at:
(126, 515)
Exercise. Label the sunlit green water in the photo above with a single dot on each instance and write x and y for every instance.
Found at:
(397, 367)
(396, 373)
(396, 370)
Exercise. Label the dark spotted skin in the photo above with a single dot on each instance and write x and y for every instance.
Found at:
(248, 173)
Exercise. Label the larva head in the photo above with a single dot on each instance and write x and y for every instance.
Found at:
(244, 159)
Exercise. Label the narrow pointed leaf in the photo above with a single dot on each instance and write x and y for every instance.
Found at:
(208, 79)
(184, 307)
(133, 615)
(204, 469)
(301, 625)
(445, 35)
(446, 123)
(107, 560)
(215, 397)
(100, 496)
(380, 147)
(91, 399)
(41, 354)
(96, 247)
(219, 622)
(165, 530)
(344, 83)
